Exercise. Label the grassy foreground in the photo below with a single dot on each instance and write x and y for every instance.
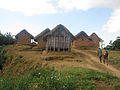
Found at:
(23, 71)
(50, 79)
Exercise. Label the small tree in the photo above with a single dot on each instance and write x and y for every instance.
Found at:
(6, 39)
(110, 46)
(9, 38)
(116, 44)
(2, 39)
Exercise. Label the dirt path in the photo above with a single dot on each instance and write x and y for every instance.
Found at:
(99, 66)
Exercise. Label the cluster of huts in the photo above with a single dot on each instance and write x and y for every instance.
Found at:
(58, 39)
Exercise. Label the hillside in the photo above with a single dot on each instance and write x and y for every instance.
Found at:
(22, 60)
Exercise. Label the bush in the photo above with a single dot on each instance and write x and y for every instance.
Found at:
(50, 79)
(40, 79)
(117, 87)
(2, 56)
(114, 45)
(6, 39)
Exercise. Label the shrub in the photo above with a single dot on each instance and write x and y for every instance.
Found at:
(117, 87)
(40, 79)
(6, 39)
(3, 57)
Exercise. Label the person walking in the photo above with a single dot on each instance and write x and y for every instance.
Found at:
(99, 54)
(105, 56)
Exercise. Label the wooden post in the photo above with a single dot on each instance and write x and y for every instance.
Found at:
(54, 43)
(47, 45)
(69, 43)
(59, 43)
(64, 44)
(50, 43)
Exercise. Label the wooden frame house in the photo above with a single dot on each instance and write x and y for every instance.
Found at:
(39, 38)
(24, 38)
(59, 39)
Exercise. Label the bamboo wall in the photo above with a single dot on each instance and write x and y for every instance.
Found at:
(41, 44)
(58, 43)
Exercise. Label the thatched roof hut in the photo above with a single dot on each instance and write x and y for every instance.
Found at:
(39, 38)
(82, 39)
(59, 39)
(95, 39)
(82, 34)
(42, 34)
(60, 30)
(23, 37)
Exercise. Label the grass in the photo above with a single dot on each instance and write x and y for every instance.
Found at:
(50, 79)
(89, 78)
(3, 56)
(40, 79)
(114, 59)
(23, 71)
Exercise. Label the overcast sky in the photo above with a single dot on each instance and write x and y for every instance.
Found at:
(99, 16)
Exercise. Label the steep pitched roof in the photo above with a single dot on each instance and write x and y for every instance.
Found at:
(60, 28)
(95, 35)
(42, 34)
(82, 34)
(24, 31)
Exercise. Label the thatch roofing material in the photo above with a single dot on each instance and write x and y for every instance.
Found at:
(95, 35)
(24, 31)
(59, 28)
(82, 34)
(42, 34)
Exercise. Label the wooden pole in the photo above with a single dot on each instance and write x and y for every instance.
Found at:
(47, 45)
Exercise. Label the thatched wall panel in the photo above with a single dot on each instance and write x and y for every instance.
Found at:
(41, 44)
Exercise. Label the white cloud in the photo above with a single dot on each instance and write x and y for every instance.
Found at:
(28, 7)
(87, 4)
(37, 7)
(113, 24)
(16, 28)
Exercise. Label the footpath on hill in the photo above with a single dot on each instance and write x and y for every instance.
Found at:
(21, 60)
(97, 65)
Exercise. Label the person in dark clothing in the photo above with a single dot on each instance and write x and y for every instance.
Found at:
(99, 53)
(105, 57)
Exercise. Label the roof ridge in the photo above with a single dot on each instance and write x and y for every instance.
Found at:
(24, 31)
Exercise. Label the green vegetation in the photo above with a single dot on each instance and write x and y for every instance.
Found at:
(23, 71)
(114, 58)
(6, 39)
(114, 45)
(2, 56)
(87, 48)
(50, 79)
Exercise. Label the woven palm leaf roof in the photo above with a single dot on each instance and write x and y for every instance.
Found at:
(24, 31)
(58, 29)
(95, 35)
(42, 34)
(82, 34)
